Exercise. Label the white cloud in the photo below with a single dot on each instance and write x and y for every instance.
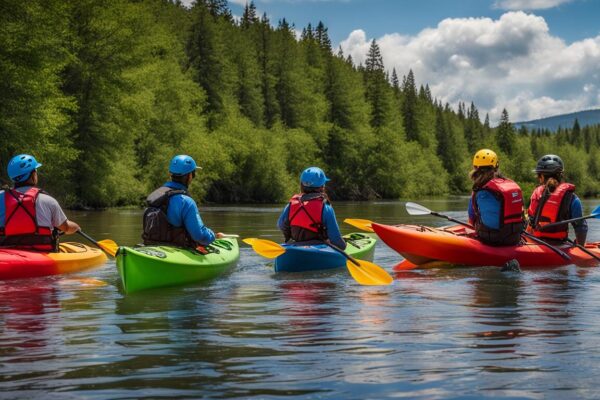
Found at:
(513, 62)
(528, 4)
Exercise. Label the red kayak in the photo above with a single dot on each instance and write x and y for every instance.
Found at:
(71, 257)
(424, 246)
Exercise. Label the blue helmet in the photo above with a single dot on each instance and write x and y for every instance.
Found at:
(182, 165)
(21, 166)
(313, 177)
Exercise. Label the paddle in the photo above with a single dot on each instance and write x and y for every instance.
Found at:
(107, 245)
(363, 272)
(229, 235)
(417, 209)
(595, 214)
(582, 248)
(362, 224)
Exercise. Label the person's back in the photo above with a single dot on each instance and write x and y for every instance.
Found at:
(172, 216)
(29, 217)
(554, 201)
(496, 204)
(309, 216)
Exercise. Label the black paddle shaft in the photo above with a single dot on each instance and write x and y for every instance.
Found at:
(333, 246)
(88, 237)
(452, 219)
(582, 248)
(566, 221)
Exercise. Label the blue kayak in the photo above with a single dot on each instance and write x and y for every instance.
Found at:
(300, 257)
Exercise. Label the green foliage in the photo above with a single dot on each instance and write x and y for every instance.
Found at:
(105, 93)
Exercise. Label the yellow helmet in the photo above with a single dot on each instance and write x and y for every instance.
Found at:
(485, 158)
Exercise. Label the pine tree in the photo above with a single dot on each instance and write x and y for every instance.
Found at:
(322, 38)
(376, 86)
(505, 134)
(249, 16)
(575, 138)
(409, 106)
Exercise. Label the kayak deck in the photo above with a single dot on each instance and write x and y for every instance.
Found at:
(319, 256)
(151, 267)
(72, 257)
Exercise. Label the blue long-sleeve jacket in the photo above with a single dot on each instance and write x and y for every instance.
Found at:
(183, 211)
(329, 221)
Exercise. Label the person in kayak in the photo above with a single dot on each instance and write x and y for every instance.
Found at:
(309, 215)
(496, 204)
(553, 201)
(29, 217)
(172, 216)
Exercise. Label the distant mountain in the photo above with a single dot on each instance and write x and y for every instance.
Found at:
(588, 117)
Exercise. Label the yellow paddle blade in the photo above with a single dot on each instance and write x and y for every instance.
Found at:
(266, 248)
(109, 246)
(362, 224)
(368, 273)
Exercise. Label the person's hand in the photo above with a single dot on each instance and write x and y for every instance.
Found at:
(220, 235)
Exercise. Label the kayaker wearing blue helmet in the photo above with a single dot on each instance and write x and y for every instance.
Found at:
(172, 216)
(309, 216)
(30, 217)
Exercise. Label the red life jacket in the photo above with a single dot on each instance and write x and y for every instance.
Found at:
(306, 217)
(548, 208)
(20, 228)
(511, 213)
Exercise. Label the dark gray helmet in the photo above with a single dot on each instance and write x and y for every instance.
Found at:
(549, 164)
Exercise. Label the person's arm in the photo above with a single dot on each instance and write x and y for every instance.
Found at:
(333, 229)
(283, 223)
(58, 218)
(580, 227)
(193, 223)
(69, 227)
(471, 211)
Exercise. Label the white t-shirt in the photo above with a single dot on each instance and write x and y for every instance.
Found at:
(47, 210)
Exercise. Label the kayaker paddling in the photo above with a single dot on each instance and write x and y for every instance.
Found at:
(553, 201)
(29, 217)
(496, 204)
(172, 216)
(309, 216)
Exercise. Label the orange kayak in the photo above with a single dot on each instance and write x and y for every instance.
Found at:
(424, 246)
(72, 257)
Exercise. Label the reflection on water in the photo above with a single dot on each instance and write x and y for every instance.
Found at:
(439, 333)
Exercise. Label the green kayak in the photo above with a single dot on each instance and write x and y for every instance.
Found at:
(150, 267)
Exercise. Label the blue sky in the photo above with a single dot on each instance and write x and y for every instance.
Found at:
(571, 21)
(536, 58)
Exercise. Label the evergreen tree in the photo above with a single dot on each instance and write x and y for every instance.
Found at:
(409, 106)
(376, 86)
(505, 134)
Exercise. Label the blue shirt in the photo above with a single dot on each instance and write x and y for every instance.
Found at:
(183, 211)
(329, 221)
(489, 209)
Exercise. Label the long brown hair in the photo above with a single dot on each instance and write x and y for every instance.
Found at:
(482, 175)
(552, 181)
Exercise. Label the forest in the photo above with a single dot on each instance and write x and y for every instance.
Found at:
(104, 93)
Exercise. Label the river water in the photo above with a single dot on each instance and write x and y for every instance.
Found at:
(440, 333)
